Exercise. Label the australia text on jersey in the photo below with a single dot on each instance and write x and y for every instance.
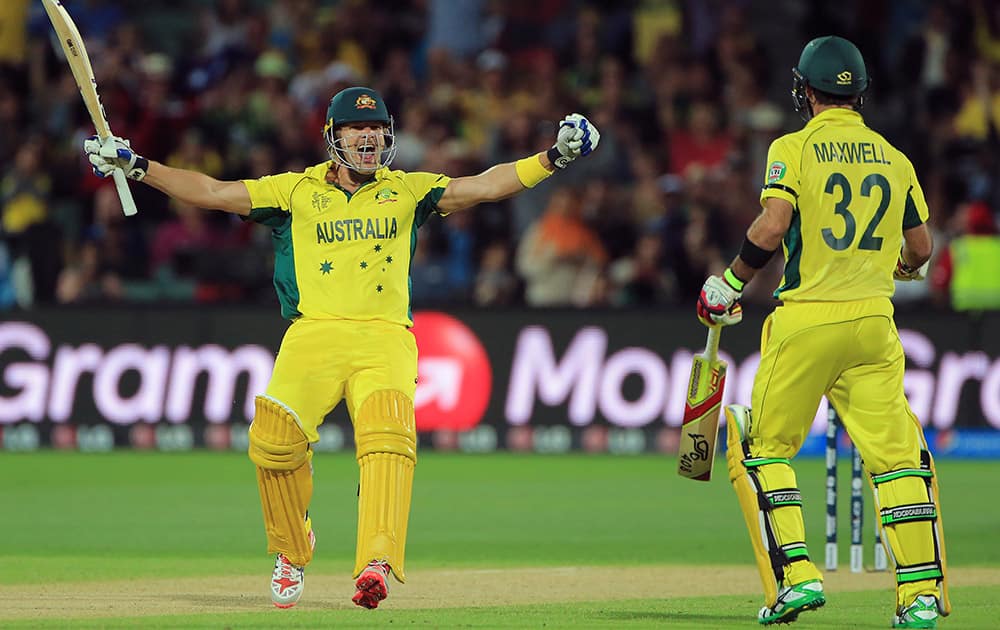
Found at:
(850, 152)
(355, 229)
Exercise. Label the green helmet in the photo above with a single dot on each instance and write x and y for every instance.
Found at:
(353, 105)
(831, 65)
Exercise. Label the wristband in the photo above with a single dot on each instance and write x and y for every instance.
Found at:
(139, 169)
(733, 280)
(905, 266)
(754, 256)
(530, 171)
(558, 159)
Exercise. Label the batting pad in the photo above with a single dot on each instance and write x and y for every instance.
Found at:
(386, 438)
(944, 600)
(772, 509)
(284, 478)
(908, 510)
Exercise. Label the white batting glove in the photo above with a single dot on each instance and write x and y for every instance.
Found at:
(577, 137)
(905, 272)
(112, 153)
(719, 303)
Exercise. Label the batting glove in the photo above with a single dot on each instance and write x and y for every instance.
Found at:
(577, 137)
(719, 303)
(114, 152)
(905, 272)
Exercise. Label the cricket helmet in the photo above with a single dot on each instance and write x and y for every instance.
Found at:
(831, 65)
(356, 105)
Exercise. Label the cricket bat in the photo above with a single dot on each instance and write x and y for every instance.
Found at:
(79, 63)
(700, 429)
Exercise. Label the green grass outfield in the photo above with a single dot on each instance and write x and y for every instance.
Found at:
(175, 540)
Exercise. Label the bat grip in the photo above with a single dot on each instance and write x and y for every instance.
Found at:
(712, 345)
(124, 194)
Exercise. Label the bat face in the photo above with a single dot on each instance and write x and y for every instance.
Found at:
(700, 429)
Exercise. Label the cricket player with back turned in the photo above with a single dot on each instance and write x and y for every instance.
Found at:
(344, 232)
(850, 214)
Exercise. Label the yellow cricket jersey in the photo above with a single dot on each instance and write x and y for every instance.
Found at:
(340, 255)
(854, 194)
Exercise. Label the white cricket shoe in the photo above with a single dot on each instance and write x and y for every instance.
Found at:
(288, 580)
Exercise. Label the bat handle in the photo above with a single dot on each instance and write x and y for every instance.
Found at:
(121, 183)
(712, 345)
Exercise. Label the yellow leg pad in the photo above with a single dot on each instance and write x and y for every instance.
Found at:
(284, 477)
(910, 525)
(772, 508)
(284, 497)
(386, 438)
(276, 440)
(746, 493)
(779, 486)
(945, 600)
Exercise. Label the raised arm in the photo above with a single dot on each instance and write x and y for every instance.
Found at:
(190, 187)
(576, 137)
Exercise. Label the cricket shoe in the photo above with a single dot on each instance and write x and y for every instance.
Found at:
(287, 579)
(793, 600)
(922, 613)
(372, 585)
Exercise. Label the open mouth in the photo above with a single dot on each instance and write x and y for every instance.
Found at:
(367, 153)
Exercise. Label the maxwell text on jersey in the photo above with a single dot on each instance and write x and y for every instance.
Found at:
(850, 152)
(355, 229)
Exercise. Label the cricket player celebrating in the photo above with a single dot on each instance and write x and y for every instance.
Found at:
(849, 212)
(344, 232)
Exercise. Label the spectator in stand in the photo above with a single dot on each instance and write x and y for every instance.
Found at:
(496, 284)
(14, 42)
(640, 278)
(560, 257)
(965, 275)
(702, 142)
(112, 253)
(32, 238)
(180, 239)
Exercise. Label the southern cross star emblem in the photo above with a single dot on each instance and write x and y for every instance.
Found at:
(378, 288)
(378, 248)
(326, 267)
(364, 265)
(388, 259)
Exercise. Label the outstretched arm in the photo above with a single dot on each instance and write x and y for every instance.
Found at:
(190, 187)
(493, 184)
(577, 137)
(199, 189)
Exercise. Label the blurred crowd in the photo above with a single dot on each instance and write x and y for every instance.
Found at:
(687, 94)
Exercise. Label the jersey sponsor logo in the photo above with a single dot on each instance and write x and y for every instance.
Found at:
(775, 172)
(844, 78)
(356, 229)
(365, 102)
(454, 374)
